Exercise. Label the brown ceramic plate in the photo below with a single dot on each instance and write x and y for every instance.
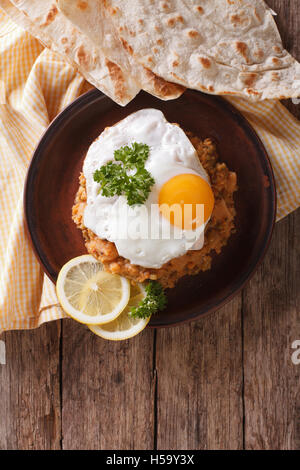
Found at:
(52, 182)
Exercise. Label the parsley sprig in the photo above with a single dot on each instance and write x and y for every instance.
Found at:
(154, 301)
(115, 180)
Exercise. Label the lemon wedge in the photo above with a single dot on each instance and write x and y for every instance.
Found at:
(124, 326)
(89, 294)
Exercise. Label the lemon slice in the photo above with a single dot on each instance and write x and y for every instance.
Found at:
(124, 326)
(89, 294)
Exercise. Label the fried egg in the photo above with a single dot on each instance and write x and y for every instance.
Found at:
(150, 235)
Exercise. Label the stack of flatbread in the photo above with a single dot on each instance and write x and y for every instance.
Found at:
(224, 47)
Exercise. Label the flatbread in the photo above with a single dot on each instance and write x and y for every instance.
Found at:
(227, 47)
(216, 46)
(43, 20)
(94, 20)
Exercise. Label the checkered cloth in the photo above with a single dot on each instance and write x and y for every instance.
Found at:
(35, 85)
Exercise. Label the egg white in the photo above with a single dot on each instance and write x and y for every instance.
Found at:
(171, 153)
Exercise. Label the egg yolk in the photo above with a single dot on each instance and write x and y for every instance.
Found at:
(180, 201)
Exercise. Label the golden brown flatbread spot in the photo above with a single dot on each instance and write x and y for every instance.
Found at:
(82, 5)
(164, 6)
(229, 93)
(199, 9)
(64, 40)
(202, 87)
(175, 63)
(126, 46)
(176, 19)
(177, 77)
(252, 92)
(259, 53)
(163, 88)
(113, 10)
(171, 22)
(117, 77)
(159, 42)
(83, 56)
(192, 33)
(249, 78)
(242, 49)
(276, 61)
(50, 16)
(205, 62)
(238, 20)
(275, 77)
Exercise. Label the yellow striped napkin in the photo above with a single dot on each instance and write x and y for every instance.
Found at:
(35, 85)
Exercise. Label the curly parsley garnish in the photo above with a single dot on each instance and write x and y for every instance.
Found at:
(154, 301)
(114, 179)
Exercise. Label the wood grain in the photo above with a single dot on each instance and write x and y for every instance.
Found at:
(271, 308)
(107, 391)
(200, 381)
(30, 416)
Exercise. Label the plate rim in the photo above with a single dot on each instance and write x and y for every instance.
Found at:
(83, 100)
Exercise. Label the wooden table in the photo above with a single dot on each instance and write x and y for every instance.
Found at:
(223, 382)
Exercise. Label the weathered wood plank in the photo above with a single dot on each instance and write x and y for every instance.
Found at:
(107, 391)
(30, 390)
(199, 383)
(271, 306)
